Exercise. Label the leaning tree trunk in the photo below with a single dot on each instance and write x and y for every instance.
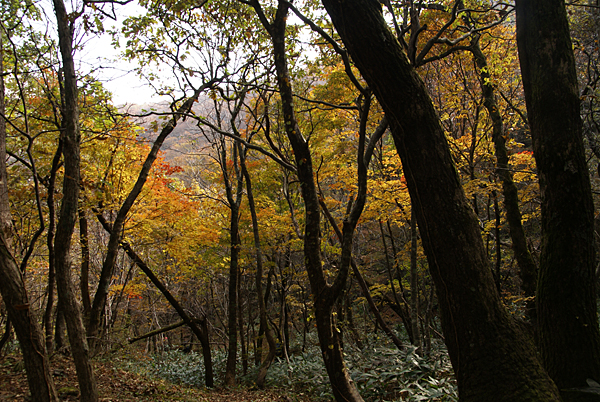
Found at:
(200, 332)
(491, 356)
(108, 266)
(569, 338)
(68, 212)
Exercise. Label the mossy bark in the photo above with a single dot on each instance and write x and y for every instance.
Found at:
(492, 358)
(569, 338)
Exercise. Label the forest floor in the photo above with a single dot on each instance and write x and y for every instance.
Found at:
(117, 385)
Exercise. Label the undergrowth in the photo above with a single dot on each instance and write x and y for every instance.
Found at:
(380, 371)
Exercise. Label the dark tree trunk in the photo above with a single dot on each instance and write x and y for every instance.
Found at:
(477, 328)
(6, 335)
(400, 307)
(5, 215)
(569, 338)
(324, 294)
(71, 138)
(240, 318)
(364, 287)
(60, 340)
(230, 369)
(414, 283)
(85, 263)
(234, 203)
(50, 244)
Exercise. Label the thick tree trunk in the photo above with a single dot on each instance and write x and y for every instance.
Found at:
(71, 138)
(492, 358)
(569, 338)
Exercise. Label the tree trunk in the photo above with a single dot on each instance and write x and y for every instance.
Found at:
(200, 332)
(50, 244)
(264, 323)
(401, 308)
(240, 318)
(324, 294)
(71, 138)
(477, 328)
(60, 340)
(5, 215)
(234, 233)
(527, 267)
(569, 338)
(85, 263)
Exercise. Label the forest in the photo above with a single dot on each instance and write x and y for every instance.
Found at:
(349, 200)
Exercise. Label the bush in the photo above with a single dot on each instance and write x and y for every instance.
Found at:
(380, 371)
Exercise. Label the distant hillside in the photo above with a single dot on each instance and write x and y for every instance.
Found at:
(185, 138)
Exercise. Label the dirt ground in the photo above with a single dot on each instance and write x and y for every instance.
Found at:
(117, 385)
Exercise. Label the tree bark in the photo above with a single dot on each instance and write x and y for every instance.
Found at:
(477, 328)
(85, 263)
(234, 233)
(363, 285)
(414, 284)
(71, 137)
(157, 331)
(569, 338)
(5, 215)
(50, 244)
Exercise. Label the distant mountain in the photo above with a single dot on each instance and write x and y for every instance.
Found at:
(186, 138)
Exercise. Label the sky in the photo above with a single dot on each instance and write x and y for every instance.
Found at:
(116, 73)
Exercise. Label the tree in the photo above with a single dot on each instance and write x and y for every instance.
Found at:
(325, 294)
(569, 337)
(476, 325)
(71, 137)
